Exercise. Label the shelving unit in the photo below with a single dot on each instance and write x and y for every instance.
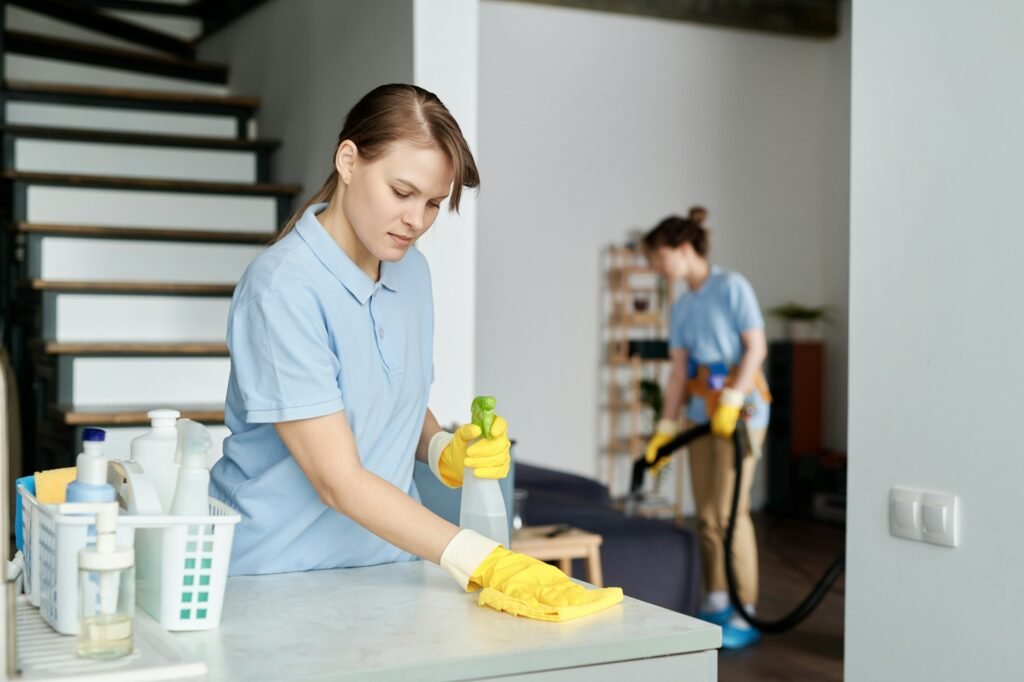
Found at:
(637, 308)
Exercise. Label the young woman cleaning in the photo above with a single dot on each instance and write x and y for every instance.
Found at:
(717, 347)
(331, 340)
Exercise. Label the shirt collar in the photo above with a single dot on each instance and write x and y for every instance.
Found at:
(337, 261)
(715, 270)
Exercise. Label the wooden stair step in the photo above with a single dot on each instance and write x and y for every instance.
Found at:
(144, 139)
(157, 288)
(111, 182)
(134, 348)
(33, 45)
(90, 18)
(153, 233)
(187, 10)
(129, 98)
(131, 415)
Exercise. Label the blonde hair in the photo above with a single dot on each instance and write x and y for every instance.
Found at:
(390, 113)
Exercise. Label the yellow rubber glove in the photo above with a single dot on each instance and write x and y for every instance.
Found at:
(519, 584)
(665, 431)
(449, 454)
(727, 414)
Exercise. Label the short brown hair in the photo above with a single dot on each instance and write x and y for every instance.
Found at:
(675, 231)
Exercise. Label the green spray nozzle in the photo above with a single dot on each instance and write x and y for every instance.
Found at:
(482, 411)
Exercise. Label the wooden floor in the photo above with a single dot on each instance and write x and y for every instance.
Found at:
(793, 556)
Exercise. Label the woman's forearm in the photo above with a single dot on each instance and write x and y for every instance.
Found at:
(754, 353)
(675, 389)
(389, 513)
(325, 450)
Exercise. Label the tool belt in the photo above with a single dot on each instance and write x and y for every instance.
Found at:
(707, 381)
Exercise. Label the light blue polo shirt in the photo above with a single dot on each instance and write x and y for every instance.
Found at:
(707, 323)
(311, 334)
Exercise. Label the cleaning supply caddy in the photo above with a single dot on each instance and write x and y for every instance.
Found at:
(181, 561)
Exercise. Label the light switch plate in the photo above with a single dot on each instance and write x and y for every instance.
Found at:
(905, 513)
(940, 519)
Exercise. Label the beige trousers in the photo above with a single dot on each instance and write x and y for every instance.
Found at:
(712, 475)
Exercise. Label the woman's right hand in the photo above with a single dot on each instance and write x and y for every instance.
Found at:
(519, 584)
(665, 431)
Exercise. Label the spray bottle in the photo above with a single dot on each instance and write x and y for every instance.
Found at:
(191, 494)
(106, 587)
(483, 507)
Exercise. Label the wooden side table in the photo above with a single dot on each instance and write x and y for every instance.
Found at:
(552, 543)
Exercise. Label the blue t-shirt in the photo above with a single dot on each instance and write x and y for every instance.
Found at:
(707, 323)
(311, 334)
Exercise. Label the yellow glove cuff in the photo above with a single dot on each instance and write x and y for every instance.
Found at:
(437, 445)
(464, 554)
(668, 427)
(730, 397)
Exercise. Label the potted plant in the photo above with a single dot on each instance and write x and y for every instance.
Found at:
(803, 323)
(650, 395)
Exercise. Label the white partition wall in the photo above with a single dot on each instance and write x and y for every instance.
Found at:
(935, 337)
(446, 58)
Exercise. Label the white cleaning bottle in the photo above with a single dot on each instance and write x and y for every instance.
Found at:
(90, 484)
(191, 494)
(483, 506)
(154, 451)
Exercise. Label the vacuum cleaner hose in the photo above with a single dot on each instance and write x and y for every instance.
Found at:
(810, 602)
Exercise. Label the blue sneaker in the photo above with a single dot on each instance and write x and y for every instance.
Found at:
(717, 617)
(739, 638)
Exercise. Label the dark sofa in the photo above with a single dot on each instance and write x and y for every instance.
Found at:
(649, 559)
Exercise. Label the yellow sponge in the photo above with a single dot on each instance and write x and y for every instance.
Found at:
(52, 486)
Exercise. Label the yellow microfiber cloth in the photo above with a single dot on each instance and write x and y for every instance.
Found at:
(52, 486)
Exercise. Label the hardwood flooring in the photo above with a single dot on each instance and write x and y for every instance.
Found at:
(793, 556)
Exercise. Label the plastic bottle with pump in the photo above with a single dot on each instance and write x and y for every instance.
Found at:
(483, 506)
(90, 484)
(106, 587)
(155, 450)
(191, 493)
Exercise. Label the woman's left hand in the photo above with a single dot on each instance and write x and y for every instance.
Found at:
(727, 414)
(490, 457)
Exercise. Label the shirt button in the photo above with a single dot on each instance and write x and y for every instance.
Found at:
(380, 332)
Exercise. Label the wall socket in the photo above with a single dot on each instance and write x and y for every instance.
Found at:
(924, 515)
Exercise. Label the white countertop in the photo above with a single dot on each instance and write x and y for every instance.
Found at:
(409, 621)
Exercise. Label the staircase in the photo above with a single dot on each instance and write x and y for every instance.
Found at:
(134, 194)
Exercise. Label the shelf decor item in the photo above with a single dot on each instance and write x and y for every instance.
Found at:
(637, 358)
(803, 323)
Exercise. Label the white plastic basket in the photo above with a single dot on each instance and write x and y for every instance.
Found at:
(51, 545)
(181, 566)
(30, 533)
(181, 563)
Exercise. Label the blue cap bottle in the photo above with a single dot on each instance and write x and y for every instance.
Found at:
(90, 484)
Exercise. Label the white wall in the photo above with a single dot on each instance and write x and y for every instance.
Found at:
(592, 124)
(309, 62)
(935, 283)
(445, 56)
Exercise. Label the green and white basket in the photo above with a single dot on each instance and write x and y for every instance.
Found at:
(181, 566)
